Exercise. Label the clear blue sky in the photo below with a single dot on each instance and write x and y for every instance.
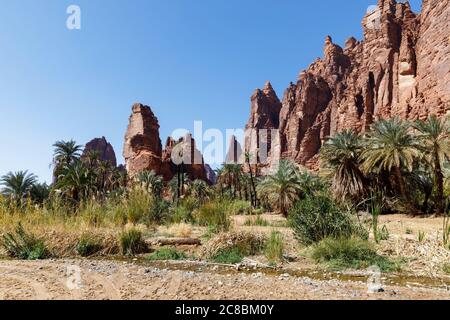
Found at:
(189, 60)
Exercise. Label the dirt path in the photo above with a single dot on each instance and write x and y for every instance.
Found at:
(99, 280)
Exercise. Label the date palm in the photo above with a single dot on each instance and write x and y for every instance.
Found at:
(341, 155)
(434, 137)
(390, 147)
(65, 154)
(76, 181)
(151, 182)
(200, 190)
(17, 185)
(282, 189)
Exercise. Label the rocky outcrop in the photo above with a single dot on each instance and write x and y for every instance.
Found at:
(143, 149)
(102, 148)
(184, 156)
(401, 68)
(262, 127)
(234, 153)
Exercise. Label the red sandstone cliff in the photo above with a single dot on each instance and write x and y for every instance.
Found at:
(401, 68)
(143, 149)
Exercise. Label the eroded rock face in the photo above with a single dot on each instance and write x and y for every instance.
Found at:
(103, 148)
(401, 68)
(143, 149)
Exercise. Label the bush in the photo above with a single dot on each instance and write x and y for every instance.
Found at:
(240, 207)
(88, 246)
(167, 254)
(23, 245)
(352, 253)
(131, 242)
(275, 247)
(214, 215)
(229, 256)
(446, 268)
(317, 217)
(230, 246)
(183, 213)
(141, 207)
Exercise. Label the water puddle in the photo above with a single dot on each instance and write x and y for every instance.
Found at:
(388, 279)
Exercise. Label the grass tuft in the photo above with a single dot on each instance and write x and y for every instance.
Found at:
(166, 254)
(275, 247)
(131, 242)
(352, 253)
(23, 245)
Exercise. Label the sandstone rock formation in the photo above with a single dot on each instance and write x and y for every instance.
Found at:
(103, 148)
(401, 68)
(143, 149)
(234, 153)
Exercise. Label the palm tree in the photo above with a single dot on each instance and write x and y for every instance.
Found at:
(390, 147)
(282, 189)
(342, 156)
(200, 190)
(17, 185)
(76, 181)
(65, 154)
(434, 135)
(39, 192)
(151, 182)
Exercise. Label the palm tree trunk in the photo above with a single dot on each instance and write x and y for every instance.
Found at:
(253, 191)
(439, 182)
(401, 183)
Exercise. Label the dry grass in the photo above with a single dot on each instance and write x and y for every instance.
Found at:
(249, 243)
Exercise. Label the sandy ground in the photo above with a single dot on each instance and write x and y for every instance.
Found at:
(112, 280)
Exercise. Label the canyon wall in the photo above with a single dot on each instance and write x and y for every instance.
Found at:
(143, 150)
(401, 68)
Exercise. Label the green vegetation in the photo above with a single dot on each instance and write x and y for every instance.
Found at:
(88, 245)
(166, 254)
(131, 242)
(275, 247)
(318, 217)
(446, 268)
(214, 215)
(258, 221)
(352, 253)
(395, 167)
(23, 245)
(229, 256)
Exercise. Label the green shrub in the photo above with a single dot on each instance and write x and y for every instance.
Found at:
(167, 254)
(233, 246)
(184, 211)
(409, 231)
(275, 247)
(240, 207)
(421, 236)
(131, 242)
(382, 235)
(88, 246)
(23, 245)
(214, 215)
(229, 256)
(446, 268)
(317, 217)
(142, 207)
(258, 221)
(352, 253)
